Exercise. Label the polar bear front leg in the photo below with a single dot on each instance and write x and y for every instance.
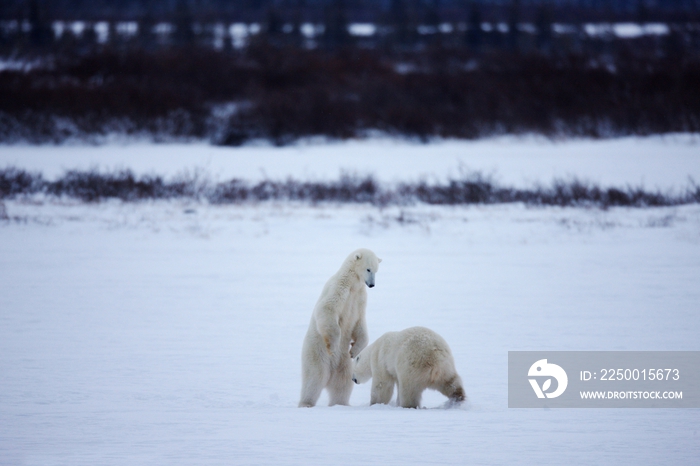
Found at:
(359, 337)
(328, 328)
(382, 389)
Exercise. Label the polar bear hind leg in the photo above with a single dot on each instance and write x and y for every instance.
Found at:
(340, 383)
(453, 389)
(314, 378)
(410, 394)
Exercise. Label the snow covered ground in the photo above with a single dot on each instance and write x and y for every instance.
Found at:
(170, 332)
(653, 162)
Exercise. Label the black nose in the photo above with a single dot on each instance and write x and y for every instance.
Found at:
(371, 285)
(354, 379)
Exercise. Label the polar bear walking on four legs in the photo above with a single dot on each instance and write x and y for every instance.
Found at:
(414, 359)
(338, 331)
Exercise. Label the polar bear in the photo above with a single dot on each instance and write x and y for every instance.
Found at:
(416, 358)
(338, 331)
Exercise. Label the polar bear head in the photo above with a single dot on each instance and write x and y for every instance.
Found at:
(361, 367)
(365, 263)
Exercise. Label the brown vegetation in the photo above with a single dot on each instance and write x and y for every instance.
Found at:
(470, 188)
(284, 93)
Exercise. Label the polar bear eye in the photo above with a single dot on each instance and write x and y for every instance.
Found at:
(357, 359)
(368, 270)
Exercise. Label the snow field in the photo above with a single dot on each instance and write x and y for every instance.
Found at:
(143, 334)
(655, 162)
(170, 332)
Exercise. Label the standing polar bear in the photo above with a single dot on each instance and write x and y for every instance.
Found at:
(416, 358)
(338, 331)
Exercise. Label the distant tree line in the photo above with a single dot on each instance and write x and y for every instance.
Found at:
(356, 10)
(514, 25)
(422, 74)
(282, 94)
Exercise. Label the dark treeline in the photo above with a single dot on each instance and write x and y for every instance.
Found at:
(285, 93)
(474, 188)
(27, 25)
(375, 11)
(428, 69)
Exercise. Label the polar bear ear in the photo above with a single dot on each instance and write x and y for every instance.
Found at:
(378, 260)
(358, 256)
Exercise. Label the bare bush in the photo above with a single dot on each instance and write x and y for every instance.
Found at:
(469, 188)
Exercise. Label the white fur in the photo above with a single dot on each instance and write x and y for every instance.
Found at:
(415, 359)
(338, 331)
